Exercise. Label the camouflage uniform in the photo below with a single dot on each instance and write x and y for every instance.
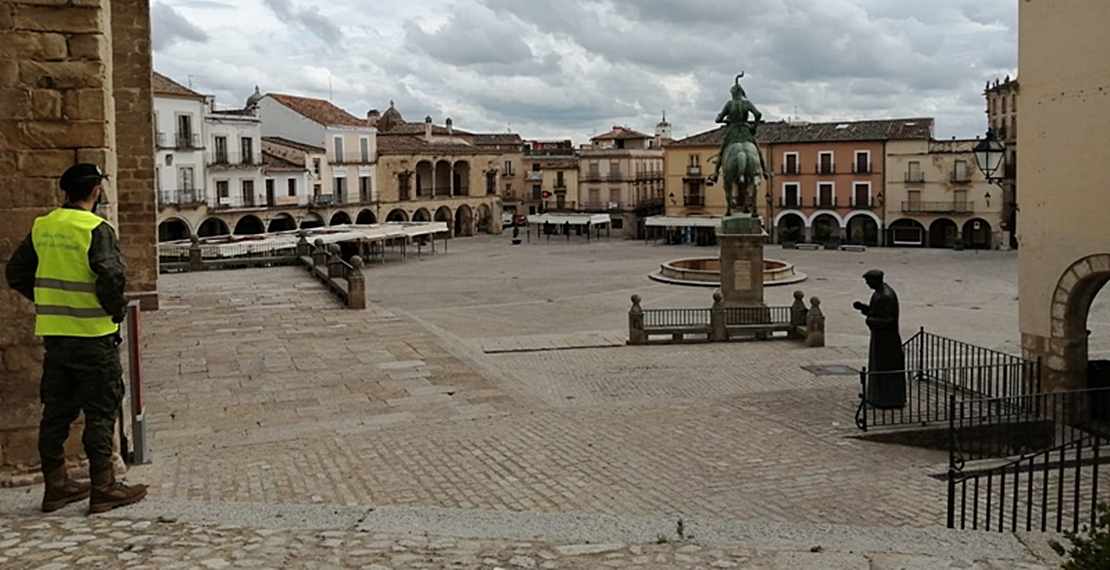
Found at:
(80, 374)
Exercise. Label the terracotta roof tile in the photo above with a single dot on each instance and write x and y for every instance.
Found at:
(163, 85)
(404, 144)
(497, 139)
(294, 144)
(785, 133)
(323, 112)
(621, 133)
(275, 163)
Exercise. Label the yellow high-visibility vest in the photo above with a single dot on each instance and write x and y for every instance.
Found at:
(65, 285)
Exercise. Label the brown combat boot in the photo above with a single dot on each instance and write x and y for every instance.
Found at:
(108, 494)
(60, 489)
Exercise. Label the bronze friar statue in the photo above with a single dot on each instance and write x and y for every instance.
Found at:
(886, 361)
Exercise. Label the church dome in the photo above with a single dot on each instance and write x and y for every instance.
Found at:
(390, 118)
(253, 100)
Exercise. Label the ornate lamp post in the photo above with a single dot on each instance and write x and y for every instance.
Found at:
(990, 154)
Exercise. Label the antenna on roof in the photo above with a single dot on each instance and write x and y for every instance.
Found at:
(331, 94)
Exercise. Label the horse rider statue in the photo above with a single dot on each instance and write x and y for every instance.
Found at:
(735, 115)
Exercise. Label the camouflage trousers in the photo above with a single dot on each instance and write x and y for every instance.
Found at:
(80, 375)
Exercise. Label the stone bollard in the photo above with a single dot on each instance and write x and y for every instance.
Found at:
(356, 284)
(815, 324)
(798, 316)
(717, 319)
(636, 333)
(335, 263)
(319, 254)
(303, 247)
(196, 262)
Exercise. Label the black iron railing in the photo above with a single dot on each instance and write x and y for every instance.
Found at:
(1014, 425)
(756, 315)
(937, 368)
(1053, 490)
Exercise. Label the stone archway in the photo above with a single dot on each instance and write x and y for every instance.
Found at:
(1066, 367)
(282, 223)
(173, 229)
(249, 225)
(464, 225)
(791, 227)
(366, 217)
(485, 219)
(312, 220)
(340, 218)
(213, 227)
(443, 214)
(422, 215)
(397, 215)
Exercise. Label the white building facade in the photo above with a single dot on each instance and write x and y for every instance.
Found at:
(233, 160)
(179, 152)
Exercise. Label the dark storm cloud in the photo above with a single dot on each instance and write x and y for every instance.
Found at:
(169, 27)
(309, 18)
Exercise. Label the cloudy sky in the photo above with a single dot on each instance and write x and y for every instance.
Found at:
(573, 68)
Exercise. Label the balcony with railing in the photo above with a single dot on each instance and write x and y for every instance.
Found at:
(957, 177)
(788, 168)
(861, 167)
(824, 201)
(162, 140)
(953, 207)
(915, 178)
(828, 168)
(323, 199)
(187, 141)
(790, 202)
(693, 170)
(595, 206)
(593, 177)
(692, 200)
(534, 176)
(220, 160)
(182, 197)
(862, 202)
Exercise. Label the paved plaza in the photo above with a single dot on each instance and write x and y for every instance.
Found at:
(492, 380)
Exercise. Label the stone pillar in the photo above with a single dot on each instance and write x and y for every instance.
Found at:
(815, 324)
(741, 239)
(799, 315)
(717, 319)
(356, 284)
(134, 135)
(196, 259)
(319, 254)
(636, 333)
(58, 107)
(335, 263)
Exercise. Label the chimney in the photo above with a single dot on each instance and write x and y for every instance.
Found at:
(428, 127)
(450, 127)
(372, 117)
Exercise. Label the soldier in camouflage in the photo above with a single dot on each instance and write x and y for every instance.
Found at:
(71, 267)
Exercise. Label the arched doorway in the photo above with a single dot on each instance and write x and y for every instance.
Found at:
(443, 179)
(366, 217)
(424, 178)
(791, 227)
(312, 220)
(464, 222)
(249, 225)
(977, 234)
(942, 233)
(422, 215)
(485, 219)
(340, 218)
(397, 216)
(462, 178)
(282, 223)
(443, 214)
(906, 232)
(173, 229)
(825, 228)
(863, 228)
(213, 227)
(1072, 301)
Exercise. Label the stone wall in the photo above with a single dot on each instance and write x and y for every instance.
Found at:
(56, 108)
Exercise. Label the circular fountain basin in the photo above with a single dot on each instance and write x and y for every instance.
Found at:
(706, 272)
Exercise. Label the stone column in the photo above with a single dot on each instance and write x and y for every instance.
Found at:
(741, 240)
(57, 76)
(134, 131)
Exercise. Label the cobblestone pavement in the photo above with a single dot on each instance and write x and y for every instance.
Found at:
(261, 389)
(59, 543)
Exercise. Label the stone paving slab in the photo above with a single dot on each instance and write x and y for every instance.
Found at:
(545, 342)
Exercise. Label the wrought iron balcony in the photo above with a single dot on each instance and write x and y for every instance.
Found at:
(826, 168)
(824, 202)
(960, 177)
(915, 177)
(230, 160)
(790, 169)
(952, 207)
(693, 170)
(862, 202)
(693, 201)
(593, 177)
(187, 141)
(323, 199)
(861, 168)
(790, 202)
(182, 197)
(534, 176)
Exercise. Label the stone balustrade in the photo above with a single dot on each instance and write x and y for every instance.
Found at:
(345, 280)
(721, 324)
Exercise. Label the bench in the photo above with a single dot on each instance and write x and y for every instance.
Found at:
(678, 333)
(853, 247)
(808, 246)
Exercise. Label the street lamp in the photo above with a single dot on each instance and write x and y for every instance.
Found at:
(989, 154)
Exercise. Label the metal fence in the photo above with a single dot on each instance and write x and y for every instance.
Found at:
(937, 368)
(660, 318)
(757, 315)
(1054, 490)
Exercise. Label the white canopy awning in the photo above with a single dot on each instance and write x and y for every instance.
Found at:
(572, 219)
(261, 243)
(683, 221)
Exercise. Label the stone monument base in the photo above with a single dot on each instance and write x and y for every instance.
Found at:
(741, 237)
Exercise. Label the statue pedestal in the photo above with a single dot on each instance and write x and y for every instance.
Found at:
(741, 239)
